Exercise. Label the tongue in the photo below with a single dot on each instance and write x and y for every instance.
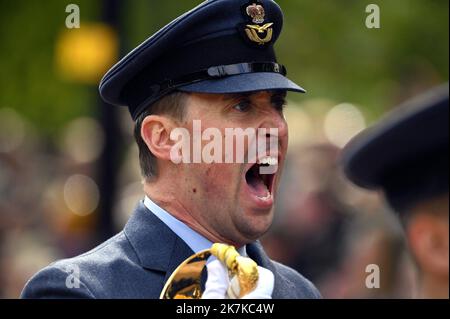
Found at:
(256, 183)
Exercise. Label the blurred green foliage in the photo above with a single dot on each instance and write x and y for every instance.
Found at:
(325, 45)
(28, 80)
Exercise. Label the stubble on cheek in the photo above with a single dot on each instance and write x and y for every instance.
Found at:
(221, 183)
(220, 199)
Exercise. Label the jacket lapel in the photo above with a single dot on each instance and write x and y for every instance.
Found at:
(156, 245)
(282, 286)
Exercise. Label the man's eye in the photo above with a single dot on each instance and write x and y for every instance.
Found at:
(243, 106)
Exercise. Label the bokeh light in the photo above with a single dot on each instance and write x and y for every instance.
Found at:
(83, 140)
(84, 54)
(342, 123)
(81, 194)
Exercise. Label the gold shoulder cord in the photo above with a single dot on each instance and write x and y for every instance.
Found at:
(184, 283)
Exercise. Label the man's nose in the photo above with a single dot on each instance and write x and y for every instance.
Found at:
(275, 120)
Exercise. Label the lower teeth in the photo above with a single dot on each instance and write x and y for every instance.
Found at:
(258, 182)
(267, 196)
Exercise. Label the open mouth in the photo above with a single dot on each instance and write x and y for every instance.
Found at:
(261, 175)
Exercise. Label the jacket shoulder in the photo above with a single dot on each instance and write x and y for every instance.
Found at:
(54, 282)
(304, 288)
(85, 276)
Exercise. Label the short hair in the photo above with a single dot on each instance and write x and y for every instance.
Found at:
(172, 105)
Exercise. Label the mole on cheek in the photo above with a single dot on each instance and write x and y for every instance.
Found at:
(194, 190)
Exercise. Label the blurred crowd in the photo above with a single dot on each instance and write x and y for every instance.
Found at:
(331, 231)
(324, 227)
(51, 143)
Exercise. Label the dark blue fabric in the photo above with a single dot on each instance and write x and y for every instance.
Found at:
(250, 82)
(138, 261)
(405, 154)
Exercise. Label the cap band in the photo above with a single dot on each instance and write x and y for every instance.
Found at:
(156, 91)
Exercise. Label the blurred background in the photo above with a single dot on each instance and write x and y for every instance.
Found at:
(69, 175)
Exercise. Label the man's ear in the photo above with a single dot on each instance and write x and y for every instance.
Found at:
(155, 131)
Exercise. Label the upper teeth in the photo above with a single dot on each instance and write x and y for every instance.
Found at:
(271, 160)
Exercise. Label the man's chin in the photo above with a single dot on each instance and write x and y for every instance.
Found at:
(257, 222)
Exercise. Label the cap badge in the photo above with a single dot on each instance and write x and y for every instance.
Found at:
(256, 12)
(253, 31)
(256, 33)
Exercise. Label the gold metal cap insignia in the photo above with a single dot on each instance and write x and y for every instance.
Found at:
(260, 34)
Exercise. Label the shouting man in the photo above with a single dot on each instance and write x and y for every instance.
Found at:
(214, 66)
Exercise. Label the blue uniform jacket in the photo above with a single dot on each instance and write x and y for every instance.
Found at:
(137, 262)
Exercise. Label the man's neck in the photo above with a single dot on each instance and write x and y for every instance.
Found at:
(166, 199)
